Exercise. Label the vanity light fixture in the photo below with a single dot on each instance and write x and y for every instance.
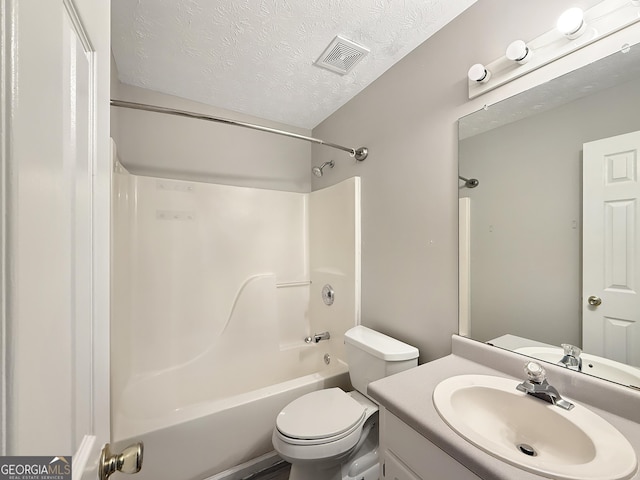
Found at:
(519, 52)
(478, 73)
(571, 23)
(601, 20)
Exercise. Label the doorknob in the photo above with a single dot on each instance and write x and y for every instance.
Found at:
(593, 300)
(129, 461)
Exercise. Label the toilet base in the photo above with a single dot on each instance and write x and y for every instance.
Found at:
(361, 464)
(334, 473)
(372, 473)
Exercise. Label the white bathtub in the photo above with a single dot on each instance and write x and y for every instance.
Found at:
(189, 440)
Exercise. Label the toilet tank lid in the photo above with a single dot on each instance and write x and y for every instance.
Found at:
(379, 344)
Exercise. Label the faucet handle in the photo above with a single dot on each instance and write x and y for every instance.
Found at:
(535, 372)
(571, 350)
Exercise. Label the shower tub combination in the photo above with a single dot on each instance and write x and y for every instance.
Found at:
(215, 288)
(218, 433)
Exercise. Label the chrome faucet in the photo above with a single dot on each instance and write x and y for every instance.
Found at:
(537, 386)
(317, 337)
(571, 358)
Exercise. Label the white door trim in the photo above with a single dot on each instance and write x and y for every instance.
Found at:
(84, 390)
(6, 214)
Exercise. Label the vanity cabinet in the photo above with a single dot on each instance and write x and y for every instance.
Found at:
(407, 455)
(394, 469)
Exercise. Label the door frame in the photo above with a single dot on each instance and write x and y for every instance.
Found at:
(90, 369)
(6, 266)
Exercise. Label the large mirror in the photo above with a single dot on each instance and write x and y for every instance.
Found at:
(550, 232)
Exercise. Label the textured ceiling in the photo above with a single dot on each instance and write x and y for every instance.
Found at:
(256, 56)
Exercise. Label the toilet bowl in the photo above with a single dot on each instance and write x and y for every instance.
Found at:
(319, 430)
(332, 434)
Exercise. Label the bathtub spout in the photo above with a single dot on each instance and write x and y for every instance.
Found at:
(317, 337)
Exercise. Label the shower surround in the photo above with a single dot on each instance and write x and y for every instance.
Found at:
(215, 288)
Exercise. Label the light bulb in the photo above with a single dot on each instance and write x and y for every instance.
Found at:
(519, 52)
(478, 73)
(571, 23)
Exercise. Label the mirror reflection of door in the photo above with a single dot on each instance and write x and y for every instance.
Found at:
(611, 248)
(525, 281)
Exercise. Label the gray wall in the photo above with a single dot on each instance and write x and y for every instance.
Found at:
(407, 118)
(526, 216)
(175, 147)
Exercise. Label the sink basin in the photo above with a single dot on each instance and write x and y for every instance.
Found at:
(591, 364)
(532, 434)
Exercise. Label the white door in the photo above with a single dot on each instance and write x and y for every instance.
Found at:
(611, 248)
(55, 195)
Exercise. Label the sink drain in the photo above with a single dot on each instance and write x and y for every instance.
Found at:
(527, 449)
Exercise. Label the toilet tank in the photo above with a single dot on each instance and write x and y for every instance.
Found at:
(372, 355)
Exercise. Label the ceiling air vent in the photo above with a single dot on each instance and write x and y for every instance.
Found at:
(341, 55)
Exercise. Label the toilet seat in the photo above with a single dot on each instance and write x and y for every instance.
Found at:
(320, 417)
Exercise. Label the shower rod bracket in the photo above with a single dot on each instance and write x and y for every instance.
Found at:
(358, 153)
(361, 154)
(469, 182)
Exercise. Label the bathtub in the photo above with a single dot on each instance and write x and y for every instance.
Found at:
(189, 440)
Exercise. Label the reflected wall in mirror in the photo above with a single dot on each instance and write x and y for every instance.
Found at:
(530, 225)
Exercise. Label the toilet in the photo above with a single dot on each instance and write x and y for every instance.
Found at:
(331, 434)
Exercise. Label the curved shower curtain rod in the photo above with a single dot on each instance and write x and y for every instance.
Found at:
(358, 153)
(469, 182)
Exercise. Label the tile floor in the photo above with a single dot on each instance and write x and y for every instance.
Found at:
(279, 471)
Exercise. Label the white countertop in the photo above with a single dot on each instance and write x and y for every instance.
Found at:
(408, 395)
